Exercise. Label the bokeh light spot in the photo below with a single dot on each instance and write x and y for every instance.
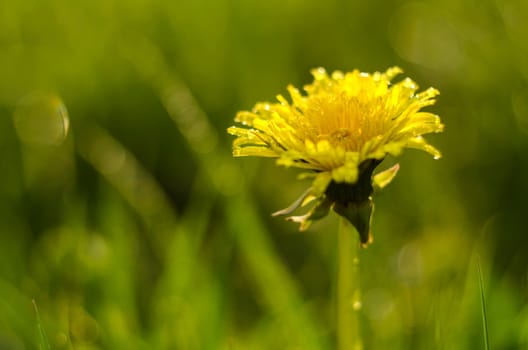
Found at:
(41, 119)
(378, 304)
(421, 35)
(410, 264)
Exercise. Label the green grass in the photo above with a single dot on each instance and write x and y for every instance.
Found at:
(483, 308)
(134, 228)
(42, 337)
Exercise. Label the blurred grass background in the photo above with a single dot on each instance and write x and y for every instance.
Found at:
(123, 215)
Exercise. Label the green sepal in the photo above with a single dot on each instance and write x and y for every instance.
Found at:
(385, 177)
(319, 211)
(359, 215)
(296, 204)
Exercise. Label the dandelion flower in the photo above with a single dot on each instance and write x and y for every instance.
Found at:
(339, 132)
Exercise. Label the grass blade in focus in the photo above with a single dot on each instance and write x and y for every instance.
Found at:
(483, 307)
(42, 338)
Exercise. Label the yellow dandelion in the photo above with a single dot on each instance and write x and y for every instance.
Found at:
(339, 131)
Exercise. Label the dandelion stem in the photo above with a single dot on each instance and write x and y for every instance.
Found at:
(348, 288)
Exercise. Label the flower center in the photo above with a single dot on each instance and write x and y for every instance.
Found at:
(343, 135)
(345, 121)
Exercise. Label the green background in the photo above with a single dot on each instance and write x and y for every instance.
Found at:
(123, 215)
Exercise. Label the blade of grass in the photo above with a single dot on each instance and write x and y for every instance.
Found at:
(483, 306)
(13, 311)
(42, 337)
(274, 283)
(132, 180)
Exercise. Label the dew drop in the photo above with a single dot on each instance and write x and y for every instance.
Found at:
(357, 305)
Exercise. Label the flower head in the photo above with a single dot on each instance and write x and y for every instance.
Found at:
(339, 131)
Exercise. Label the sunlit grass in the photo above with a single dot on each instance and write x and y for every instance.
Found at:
(483, 308)
(131, 227)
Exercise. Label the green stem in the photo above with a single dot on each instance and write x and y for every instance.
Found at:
(348, 288)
